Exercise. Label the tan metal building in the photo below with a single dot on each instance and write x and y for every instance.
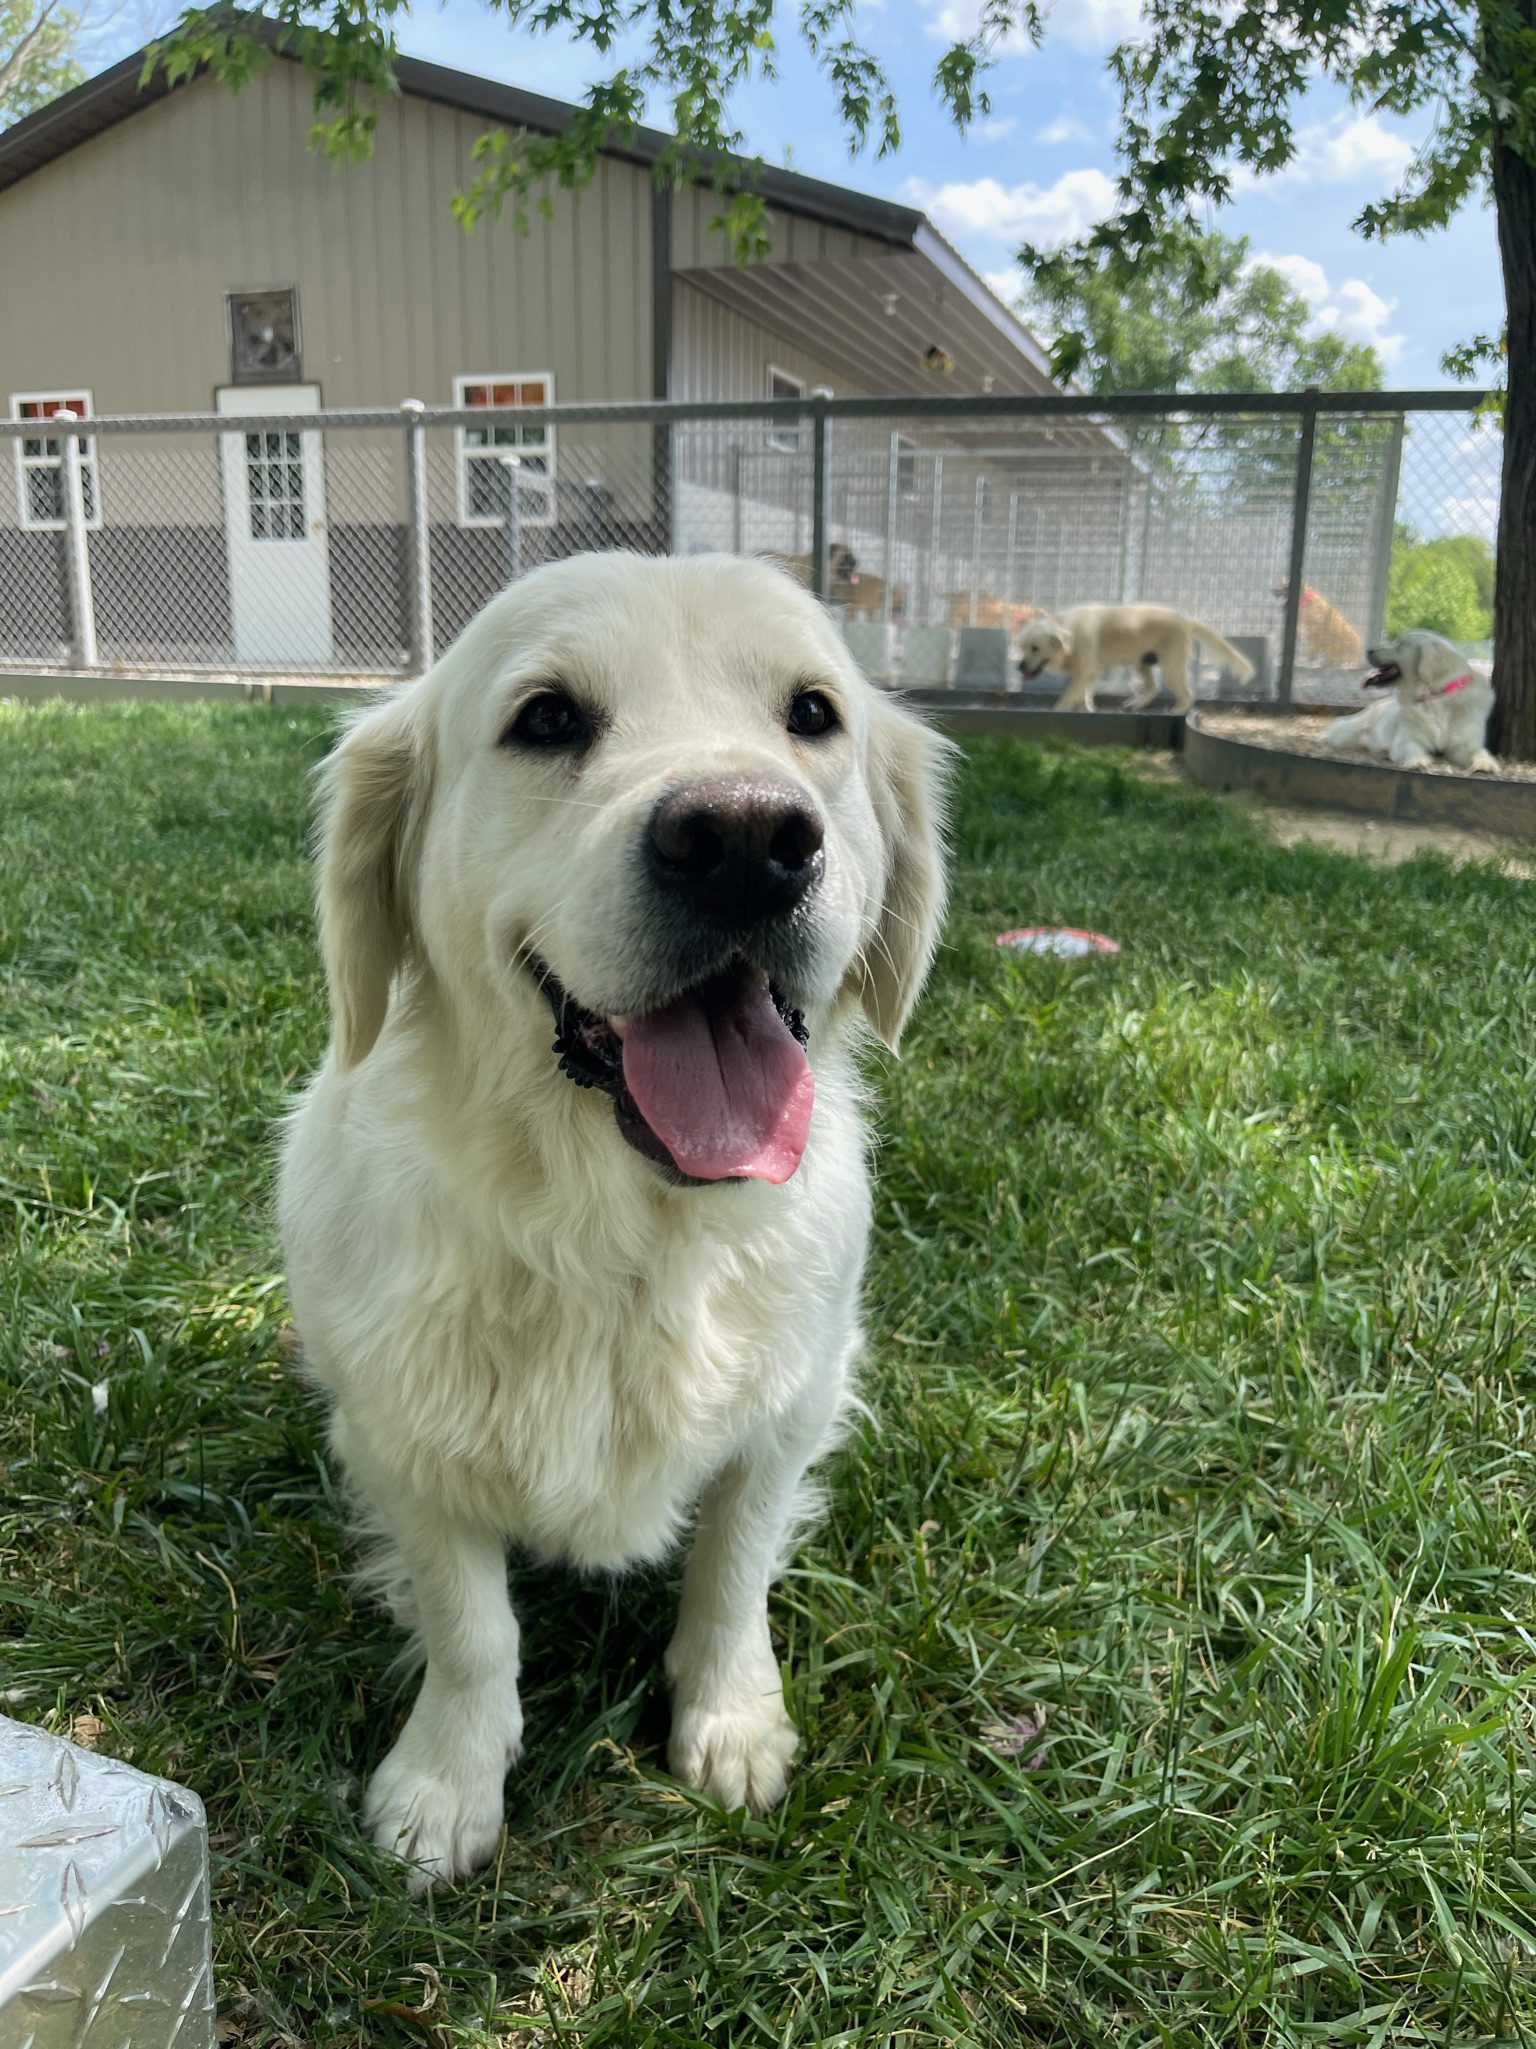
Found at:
(136, 223)
(182, 251)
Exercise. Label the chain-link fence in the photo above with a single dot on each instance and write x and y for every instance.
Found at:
(1298, 526)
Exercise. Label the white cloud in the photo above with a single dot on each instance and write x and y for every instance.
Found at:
(1481, 438)
(1362, 315)
(1096, 24)
(1478, 514)
(1300, 273)
(1358, 150)
(1351, 309)
(1006, 285)
(1092, 25)
(996, 130)
(956, 21)
(1035, 213)
(1342, 151)
(1349, 152)
(1065, 128)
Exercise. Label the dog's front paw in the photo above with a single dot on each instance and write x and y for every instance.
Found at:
(439, 1804)
(738, 1752)
(1483, 763)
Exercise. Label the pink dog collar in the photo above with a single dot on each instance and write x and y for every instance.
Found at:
(1456, 683)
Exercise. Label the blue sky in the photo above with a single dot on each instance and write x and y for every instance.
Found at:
(1042, 166)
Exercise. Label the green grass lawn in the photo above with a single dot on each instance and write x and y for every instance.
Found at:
(1201, 1316)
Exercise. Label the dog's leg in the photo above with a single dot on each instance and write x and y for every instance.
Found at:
(437, 1797)
(1174, 663)
(1404, 751)
(1078, 695)
(1470, 754)
(1146, 689)
(1082, 665)
(731, 1736)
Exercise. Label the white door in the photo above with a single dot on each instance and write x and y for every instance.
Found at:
(274, 523)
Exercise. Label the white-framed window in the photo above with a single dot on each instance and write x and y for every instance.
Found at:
(40, 460)
(485, 476)
(784, 435)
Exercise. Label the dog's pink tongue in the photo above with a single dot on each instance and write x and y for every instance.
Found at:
(722, 1082)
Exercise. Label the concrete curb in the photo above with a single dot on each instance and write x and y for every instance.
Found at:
(957, 711)
(1471, 802)
(43, 685)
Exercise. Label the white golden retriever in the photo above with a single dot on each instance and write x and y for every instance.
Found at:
(1436, 702)
(602, 900)
(1084, 643)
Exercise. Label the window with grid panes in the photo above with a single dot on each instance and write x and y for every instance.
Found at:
(274, 486)
(485, 478)
(40, 460)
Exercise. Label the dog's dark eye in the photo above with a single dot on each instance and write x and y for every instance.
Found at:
(549, 720)
(811, 715)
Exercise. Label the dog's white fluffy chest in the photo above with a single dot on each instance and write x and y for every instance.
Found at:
(587, 1435)
(573, 1387)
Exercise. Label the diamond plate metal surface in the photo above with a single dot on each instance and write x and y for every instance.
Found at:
(104, 1925)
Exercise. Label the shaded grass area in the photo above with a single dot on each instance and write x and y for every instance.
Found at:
(1201, 1317)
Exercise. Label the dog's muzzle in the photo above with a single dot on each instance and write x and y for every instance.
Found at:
(708, 1070)
(735, 852)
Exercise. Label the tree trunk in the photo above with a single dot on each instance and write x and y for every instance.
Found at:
(1513, 729)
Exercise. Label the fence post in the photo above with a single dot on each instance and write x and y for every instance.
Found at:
(1301, 507)
(1127, 515)
(819, 495)
(892, 492)
(77, 553)
(1381, 577)
(1010, 567)
(977, 522)
(513, 465)
(418, 541)
(935, 532)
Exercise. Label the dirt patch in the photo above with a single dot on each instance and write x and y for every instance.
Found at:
(1385, 840)
(1369, 839)
(1304, 733)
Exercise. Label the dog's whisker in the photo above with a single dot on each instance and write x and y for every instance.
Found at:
(575, 803)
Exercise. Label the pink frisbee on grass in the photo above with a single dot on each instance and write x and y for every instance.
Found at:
(1066, 941)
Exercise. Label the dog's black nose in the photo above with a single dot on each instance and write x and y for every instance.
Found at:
(737, 849)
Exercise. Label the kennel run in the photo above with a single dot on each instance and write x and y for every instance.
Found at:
(361, 543)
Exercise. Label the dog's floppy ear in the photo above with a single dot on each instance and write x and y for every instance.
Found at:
(908, 771)
(372, 793)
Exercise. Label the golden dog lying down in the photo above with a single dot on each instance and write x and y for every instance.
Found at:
(1435, 702)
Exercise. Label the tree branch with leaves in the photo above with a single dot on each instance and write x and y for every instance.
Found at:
(37, 60)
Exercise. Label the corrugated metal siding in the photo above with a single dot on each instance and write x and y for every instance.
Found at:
(792, 238)
(117, 258)
(736, 487)
(717, 354)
